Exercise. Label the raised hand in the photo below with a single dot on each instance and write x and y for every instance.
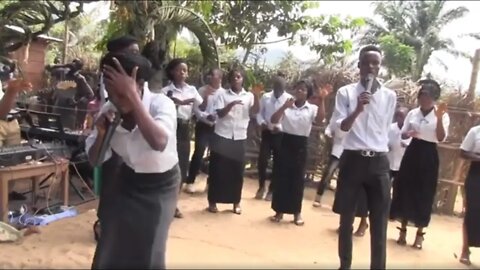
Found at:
(119, 81)
(18, 85)
(324, 91)
(289, 103)
(440, 110)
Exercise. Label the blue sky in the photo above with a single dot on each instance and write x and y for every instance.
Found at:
(458, 73)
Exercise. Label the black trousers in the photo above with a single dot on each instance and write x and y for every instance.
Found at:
(372, 174)
(269, 147)
(183, 146)
(203, 134)
(327, 174)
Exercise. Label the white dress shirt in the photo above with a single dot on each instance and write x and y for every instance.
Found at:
(370, 129)
(471, 143)
(132, 146)
(209, 110)
(397, 146)
(184, 112)
(234, 125)
(269, 104)
(298, 120)
(337, 147)
(426, 126)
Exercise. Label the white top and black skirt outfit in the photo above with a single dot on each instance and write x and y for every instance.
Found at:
(227, 148)
(289, 171)
(416, 183)
(471, 143)
(141, 208)
(184, 115)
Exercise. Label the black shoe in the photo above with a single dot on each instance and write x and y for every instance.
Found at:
(178, 214)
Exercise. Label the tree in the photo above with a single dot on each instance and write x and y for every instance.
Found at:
(34, 18)
(332, 37)
(416, 24)
(398, 57)
(156, 24)
(246, 23)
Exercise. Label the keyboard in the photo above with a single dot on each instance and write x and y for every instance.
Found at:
(18, 154)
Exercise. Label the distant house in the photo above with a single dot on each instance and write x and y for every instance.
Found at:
(34, 66)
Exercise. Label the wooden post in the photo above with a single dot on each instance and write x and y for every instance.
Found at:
(473, 79)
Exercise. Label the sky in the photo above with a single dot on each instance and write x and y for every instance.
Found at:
(459, 71)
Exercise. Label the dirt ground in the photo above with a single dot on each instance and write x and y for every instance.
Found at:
(225, 240)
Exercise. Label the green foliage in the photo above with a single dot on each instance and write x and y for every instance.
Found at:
(398, 57)
(332, 39)
(416, 24)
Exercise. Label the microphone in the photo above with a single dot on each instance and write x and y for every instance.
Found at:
(108, 137)
(370, 79)
(170, 94)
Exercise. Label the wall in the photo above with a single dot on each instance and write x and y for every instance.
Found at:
(33, 69)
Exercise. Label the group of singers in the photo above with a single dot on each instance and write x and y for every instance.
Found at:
(148, 155)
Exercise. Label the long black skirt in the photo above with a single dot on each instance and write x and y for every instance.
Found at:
(183, 147)
(416, 183)
(134, 234)
(226, 168)
(289, 175)
(472, 209)
(109, 185)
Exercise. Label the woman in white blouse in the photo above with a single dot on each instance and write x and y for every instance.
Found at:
(470, 150)
(415, 186)
(227, 150)
(296, 117)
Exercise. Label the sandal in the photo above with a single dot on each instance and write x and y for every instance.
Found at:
(297, 219)
(237, 210)
(402, 238)
(277, 218)
(178, 214)
(418, 241)
(361, 231)
(465, 259)
(96, 230)
(212, 209)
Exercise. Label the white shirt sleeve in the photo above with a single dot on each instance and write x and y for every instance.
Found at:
(219, 102)
(468, 143)
(164, 113)
(341, 110)
(261, 111)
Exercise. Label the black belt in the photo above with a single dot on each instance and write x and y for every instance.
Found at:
(367, 153)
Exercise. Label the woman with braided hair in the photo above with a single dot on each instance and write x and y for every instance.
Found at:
(415, 186)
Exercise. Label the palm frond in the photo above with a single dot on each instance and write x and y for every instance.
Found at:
(451, 15)
(193, 22)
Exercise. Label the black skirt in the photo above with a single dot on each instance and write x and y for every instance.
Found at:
(183, 147)
(289, 175)
(109, 184)
(416, 183)
(472, 209)
(134, 234)
(226, 168)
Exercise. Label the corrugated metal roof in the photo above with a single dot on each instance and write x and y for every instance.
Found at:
(44, 37)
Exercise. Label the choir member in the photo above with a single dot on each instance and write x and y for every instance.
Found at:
(296, 117)
(416, 183)
(185, 97)
(227, 151)
(364, 110)
(135, 230)
(271, 136)
(396, 144)
(470, 150)
(206, 118)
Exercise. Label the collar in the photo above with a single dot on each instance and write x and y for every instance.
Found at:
(275, 98)
(305, 106)
(173, 87)
(241, 93)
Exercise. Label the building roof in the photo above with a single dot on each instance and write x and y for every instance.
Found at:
(44, 37)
